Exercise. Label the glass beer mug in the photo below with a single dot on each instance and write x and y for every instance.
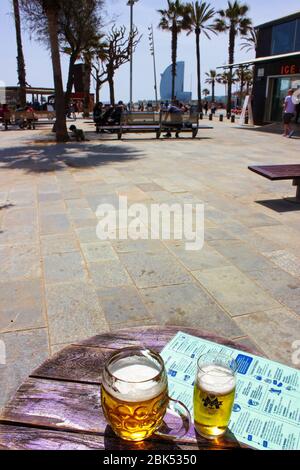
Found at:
(214, 394)
(134, 395)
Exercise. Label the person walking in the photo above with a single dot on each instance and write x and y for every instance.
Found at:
(205, 107)
(288, 114)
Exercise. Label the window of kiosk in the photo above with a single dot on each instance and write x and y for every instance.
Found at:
(283, 38)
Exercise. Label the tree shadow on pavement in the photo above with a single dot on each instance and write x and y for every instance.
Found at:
(48, 158)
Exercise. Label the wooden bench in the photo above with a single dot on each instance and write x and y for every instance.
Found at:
(180, 122)
(49, 115)
(155, 123)
(23, 119)
(279, 173)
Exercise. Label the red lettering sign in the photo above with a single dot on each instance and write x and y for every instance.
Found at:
(289, 69)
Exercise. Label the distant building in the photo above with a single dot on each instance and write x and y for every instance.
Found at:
(166, 84)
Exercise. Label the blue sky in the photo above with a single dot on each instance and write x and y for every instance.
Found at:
(214, 52)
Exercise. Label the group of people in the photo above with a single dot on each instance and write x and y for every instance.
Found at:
(24, 115)
(108, 115)
(291, 111)
(74, 108)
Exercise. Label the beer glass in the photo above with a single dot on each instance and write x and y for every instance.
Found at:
(134, 395)
(214, 393)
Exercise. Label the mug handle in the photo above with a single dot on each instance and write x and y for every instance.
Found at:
(183, 413)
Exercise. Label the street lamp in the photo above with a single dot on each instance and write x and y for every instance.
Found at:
(152, 50)
(131, 3)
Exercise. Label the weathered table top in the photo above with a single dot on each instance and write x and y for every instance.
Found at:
(59, 407)
(277, 172)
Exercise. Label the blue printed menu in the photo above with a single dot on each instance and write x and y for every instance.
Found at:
(266, 411)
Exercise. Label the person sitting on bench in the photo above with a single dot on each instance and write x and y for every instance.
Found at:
(173, 108)
(117, 114)
(97, 114)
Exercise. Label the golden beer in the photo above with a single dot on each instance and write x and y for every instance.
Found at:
(134, 421)
(134, 394)
(214, 394)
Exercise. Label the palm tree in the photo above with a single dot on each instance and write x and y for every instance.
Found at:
(212, 78)
(51, 9)
(172, 19)
(244, 77)
(20, 56)
(196, 18)
(250, 41)
(234, 20)
(224, 79)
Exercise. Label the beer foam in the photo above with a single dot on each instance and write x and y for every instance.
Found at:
(136, 382)
(216, 380)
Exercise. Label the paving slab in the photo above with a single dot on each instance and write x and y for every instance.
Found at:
(56, 244)
(150, 270)
(206, 258)
(234, 291)
(188, 305)
(54, 223)
(281, 285)
(123, 306)
(285, 260)
(21, 305)
(101, 251)
(64, 267)
(281, 326)
(25, 351)
(241, 255)
(19, 262)
(74, 312)
(109, 273)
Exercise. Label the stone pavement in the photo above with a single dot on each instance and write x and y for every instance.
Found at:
(60, 284)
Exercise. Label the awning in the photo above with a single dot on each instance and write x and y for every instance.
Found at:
(268, 58)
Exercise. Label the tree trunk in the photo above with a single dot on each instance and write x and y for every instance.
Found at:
(198, 70)
(97, 90)
(60, 124)
(232, 35)
(111, 88)
(213, 84)
(70, 81)
(174, 58)
(87, 86)
(20, 57)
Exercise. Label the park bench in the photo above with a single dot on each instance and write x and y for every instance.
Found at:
(23, 119)
(46, 115)
(279, 173)
(155, 123)
(180, 122)
(134, 122)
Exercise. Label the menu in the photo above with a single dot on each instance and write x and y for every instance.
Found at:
(266, 411)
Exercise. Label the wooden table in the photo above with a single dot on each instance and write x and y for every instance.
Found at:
(58, 407)
(280, 173)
